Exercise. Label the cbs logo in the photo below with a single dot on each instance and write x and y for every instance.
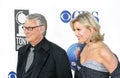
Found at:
(66, 16)
(12, 75)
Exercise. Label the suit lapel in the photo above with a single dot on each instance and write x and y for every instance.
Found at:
(21, 59)
(42, 56)
(39, 63)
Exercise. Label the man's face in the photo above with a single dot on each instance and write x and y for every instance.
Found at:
(32, 31)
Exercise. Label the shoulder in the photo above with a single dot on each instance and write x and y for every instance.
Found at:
(57, 51)
(23, 48)
(108, 58)
(55, 45)
(106, 55)
(51, 46)
(56, 48)
(105, 52)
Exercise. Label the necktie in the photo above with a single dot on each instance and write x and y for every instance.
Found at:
(30, 59)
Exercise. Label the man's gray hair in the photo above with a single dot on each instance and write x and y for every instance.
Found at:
(41, 19)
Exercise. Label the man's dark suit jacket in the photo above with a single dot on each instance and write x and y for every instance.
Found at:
(51, 61)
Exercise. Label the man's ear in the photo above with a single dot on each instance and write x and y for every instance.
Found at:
(42, 29)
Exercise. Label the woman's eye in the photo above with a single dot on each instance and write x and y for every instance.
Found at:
(78, 29)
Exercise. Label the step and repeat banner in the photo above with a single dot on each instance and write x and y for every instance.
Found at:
(58, 13)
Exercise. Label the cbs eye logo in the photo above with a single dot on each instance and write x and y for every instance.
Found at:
(12, 75)
(66, 16)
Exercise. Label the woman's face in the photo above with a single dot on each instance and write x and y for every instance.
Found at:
(82, 33)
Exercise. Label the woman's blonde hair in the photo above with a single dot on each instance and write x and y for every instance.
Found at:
(88, 20)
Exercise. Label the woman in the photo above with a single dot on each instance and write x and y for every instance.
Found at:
(96, 59)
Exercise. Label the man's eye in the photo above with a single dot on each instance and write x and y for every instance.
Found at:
(30, 28)
(73, 29)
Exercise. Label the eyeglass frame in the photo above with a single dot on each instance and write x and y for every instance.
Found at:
(30, 28)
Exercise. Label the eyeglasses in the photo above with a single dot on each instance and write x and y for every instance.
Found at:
(30, 28)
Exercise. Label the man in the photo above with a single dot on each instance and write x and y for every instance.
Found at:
(41, 58)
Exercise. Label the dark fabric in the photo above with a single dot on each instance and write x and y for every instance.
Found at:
(116, 72)
(50, 61)
(84, 72)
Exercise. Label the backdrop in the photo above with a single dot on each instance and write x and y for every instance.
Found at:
(58, 14)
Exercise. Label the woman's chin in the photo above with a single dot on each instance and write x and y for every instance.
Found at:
(81, 42)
